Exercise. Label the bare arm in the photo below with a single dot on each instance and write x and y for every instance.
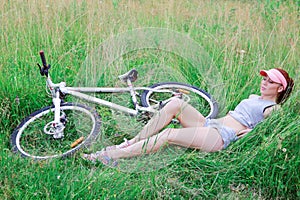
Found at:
(268, 111)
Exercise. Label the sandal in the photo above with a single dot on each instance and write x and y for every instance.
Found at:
(101, 157)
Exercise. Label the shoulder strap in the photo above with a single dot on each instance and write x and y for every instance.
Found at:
(269, 106)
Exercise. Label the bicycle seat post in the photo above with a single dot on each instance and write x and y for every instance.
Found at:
(132, 93)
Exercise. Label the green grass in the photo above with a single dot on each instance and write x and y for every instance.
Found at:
(263, 165)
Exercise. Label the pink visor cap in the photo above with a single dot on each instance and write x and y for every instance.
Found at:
(275, 75)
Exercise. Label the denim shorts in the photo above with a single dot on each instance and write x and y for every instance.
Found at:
(228, 134)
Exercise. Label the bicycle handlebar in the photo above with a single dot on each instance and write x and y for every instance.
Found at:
(43, 69)
(43, 58)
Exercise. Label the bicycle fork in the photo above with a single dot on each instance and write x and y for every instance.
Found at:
(57, 126)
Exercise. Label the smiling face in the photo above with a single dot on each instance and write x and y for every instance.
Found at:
(270, 88)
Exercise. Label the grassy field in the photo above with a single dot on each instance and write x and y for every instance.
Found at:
(239, 37)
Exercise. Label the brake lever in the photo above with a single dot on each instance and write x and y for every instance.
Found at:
(44, 70)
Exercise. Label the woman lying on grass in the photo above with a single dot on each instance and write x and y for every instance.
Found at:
(207, 135)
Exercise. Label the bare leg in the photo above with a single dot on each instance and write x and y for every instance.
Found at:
(187, 115)
(203, 138)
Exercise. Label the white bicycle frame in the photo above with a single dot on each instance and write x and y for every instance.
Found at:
(79, 93)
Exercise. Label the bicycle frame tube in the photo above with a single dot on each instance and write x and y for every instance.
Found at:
(101, 102)
(132, 93)
(55, 97)
(56, 103)
(97, 89)
(109, 89)
(79, 92)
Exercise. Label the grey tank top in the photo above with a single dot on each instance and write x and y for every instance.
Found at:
(250, 112)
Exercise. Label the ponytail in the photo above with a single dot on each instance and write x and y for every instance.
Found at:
(284, 95)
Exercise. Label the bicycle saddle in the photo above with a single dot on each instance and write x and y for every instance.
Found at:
(131, 75)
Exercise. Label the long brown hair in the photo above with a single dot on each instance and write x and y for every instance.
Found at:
(284, 95)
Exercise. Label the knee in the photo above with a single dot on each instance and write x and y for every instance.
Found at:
(174, 106)
(157, 142)
(164, 136)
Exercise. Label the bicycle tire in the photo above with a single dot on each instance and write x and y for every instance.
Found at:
(39, 145)
(200, 99)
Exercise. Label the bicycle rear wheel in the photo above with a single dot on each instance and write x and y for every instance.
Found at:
(30, 140)
(199, 98)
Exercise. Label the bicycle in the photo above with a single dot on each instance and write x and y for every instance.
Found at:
(63, 128)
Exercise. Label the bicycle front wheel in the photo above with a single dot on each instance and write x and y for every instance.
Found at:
(81, 123)
(198, 98)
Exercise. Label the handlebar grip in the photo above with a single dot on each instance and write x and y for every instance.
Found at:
(43, 59)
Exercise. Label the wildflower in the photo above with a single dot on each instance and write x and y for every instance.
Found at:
(17, 100)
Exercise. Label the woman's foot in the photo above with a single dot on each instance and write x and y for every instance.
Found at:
(100, 156)
(120, 146)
